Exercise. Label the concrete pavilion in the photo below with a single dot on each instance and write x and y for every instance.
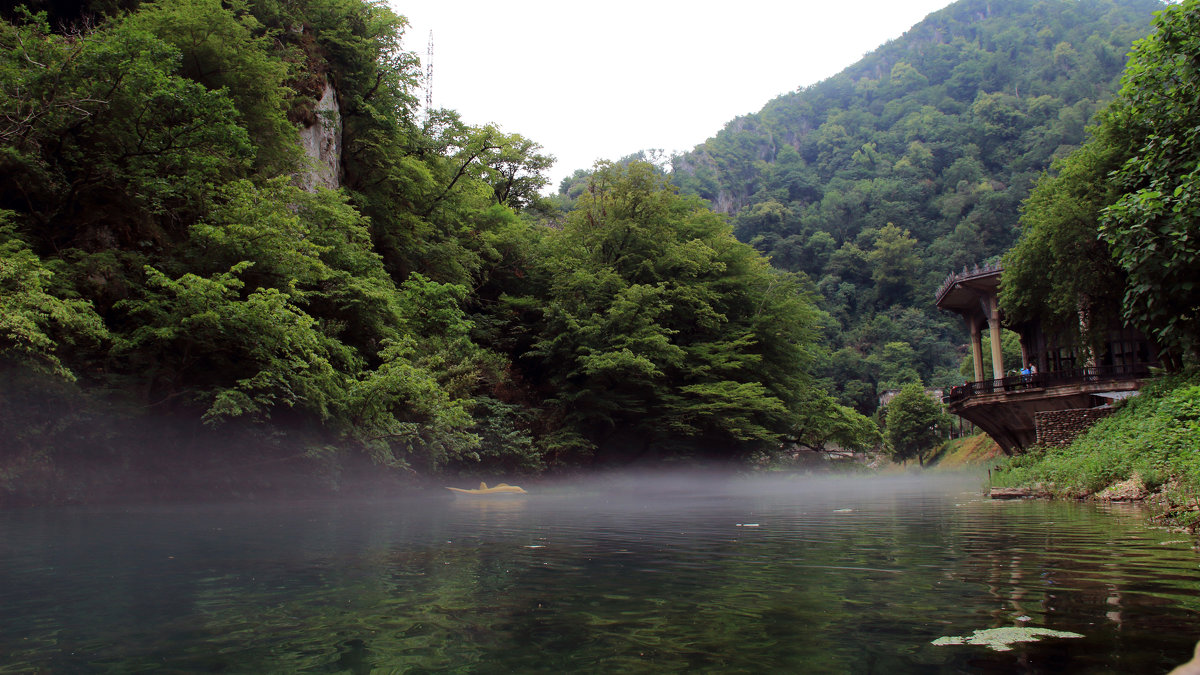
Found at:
(1068, 392)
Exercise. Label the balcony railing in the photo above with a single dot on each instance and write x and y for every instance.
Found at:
(965, 275)
(1086, 375)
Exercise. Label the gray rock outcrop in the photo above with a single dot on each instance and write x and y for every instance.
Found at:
(322, 143)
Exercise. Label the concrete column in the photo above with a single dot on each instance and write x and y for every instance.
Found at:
(976, 348)
(997, 353)
(993, 320)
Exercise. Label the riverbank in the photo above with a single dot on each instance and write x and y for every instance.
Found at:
(968, 452)
(1147, 450)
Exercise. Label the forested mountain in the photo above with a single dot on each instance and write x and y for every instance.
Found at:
(912, 163)
(231, 238)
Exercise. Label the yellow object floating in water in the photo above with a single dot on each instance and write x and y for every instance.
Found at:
(483, 489)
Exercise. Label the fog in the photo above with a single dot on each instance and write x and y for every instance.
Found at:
(60, 446)
(646, 570)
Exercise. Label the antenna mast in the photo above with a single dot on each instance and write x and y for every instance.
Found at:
(429, 76)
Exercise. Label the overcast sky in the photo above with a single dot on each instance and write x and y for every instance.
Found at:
(603, 79)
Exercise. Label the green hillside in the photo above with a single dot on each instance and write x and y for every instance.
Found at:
(912, 163)
(233, 246)
(236, 254)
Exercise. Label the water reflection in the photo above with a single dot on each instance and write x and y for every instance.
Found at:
(725, 574)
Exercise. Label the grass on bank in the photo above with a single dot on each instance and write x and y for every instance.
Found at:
(1152, 439)
(966, 453)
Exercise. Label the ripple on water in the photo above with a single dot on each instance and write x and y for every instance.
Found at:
(835, 576)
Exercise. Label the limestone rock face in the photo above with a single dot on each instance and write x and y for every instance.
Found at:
(322, 143)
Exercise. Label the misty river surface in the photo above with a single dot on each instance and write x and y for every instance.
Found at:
(725, 574)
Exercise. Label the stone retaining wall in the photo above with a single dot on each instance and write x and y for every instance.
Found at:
(1061, 427)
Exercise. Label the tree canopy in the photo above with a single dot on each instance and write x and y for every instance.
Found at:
(1111, 233)
(155, 245)
(1152, 226)
(914, 423)
(660, 324)
(162, 255)
(160, 248)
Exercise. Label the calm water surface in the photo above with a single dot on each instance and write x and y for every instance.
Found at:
(748, 575)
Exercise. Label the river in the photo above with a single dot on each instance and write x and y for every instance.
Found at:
(659, 573)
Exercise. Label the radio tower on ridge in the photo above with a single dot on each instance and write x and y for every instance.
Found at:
(429, 76)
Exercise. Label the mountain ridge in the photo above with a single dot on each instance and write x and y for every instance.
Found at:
(912, 162)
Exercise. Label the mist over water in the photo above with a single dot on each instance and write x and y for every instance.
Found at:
(647, 572)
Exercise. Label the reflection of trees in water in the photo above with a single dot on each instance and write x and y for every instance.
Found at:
(1063, 567)
(816, 587)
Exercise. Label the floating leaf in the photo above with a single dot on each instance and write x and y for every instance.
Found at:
(1000, 639)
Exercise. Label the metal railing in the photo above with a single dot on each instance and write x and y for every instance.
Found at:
(1086, 375)
(966, 274)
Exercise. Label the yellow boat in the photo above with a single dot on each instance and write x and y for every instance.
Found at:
(483, 489)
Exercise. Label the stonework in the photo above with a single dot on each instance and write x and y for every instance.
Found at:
(1061, 427)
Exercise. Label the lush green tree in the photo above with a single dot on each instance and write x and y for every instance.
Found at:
(515, 171)
(661, 324)
(1111, 234)
(200, 341)
(148, 165)
(508, 163)
(851, 375)
(913, 423)
(1060, 269)
(108, 137)
(832, 425)
(37, 328)
(229, 50)
(897, 365)
(403, 415)
(894, 263)
(923, 334)
(1152, 227)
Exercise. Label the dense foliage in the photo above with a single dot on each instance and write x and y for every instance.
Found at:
(1059, 267)
(159, 260)
(1152, 227)
(1112, 234)
(912, 163)
(1151, 441)
(147, 181)
(660, 325)
(166, 255)
(914, 423)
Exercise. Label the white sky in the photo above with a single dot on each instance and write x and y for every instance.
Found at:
(604, 79)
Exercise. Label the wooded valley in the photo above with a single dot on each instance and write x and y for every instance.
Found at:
(185, 288)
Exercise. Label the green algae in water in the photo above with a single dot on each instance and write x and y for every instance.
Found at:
(1000, 639)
